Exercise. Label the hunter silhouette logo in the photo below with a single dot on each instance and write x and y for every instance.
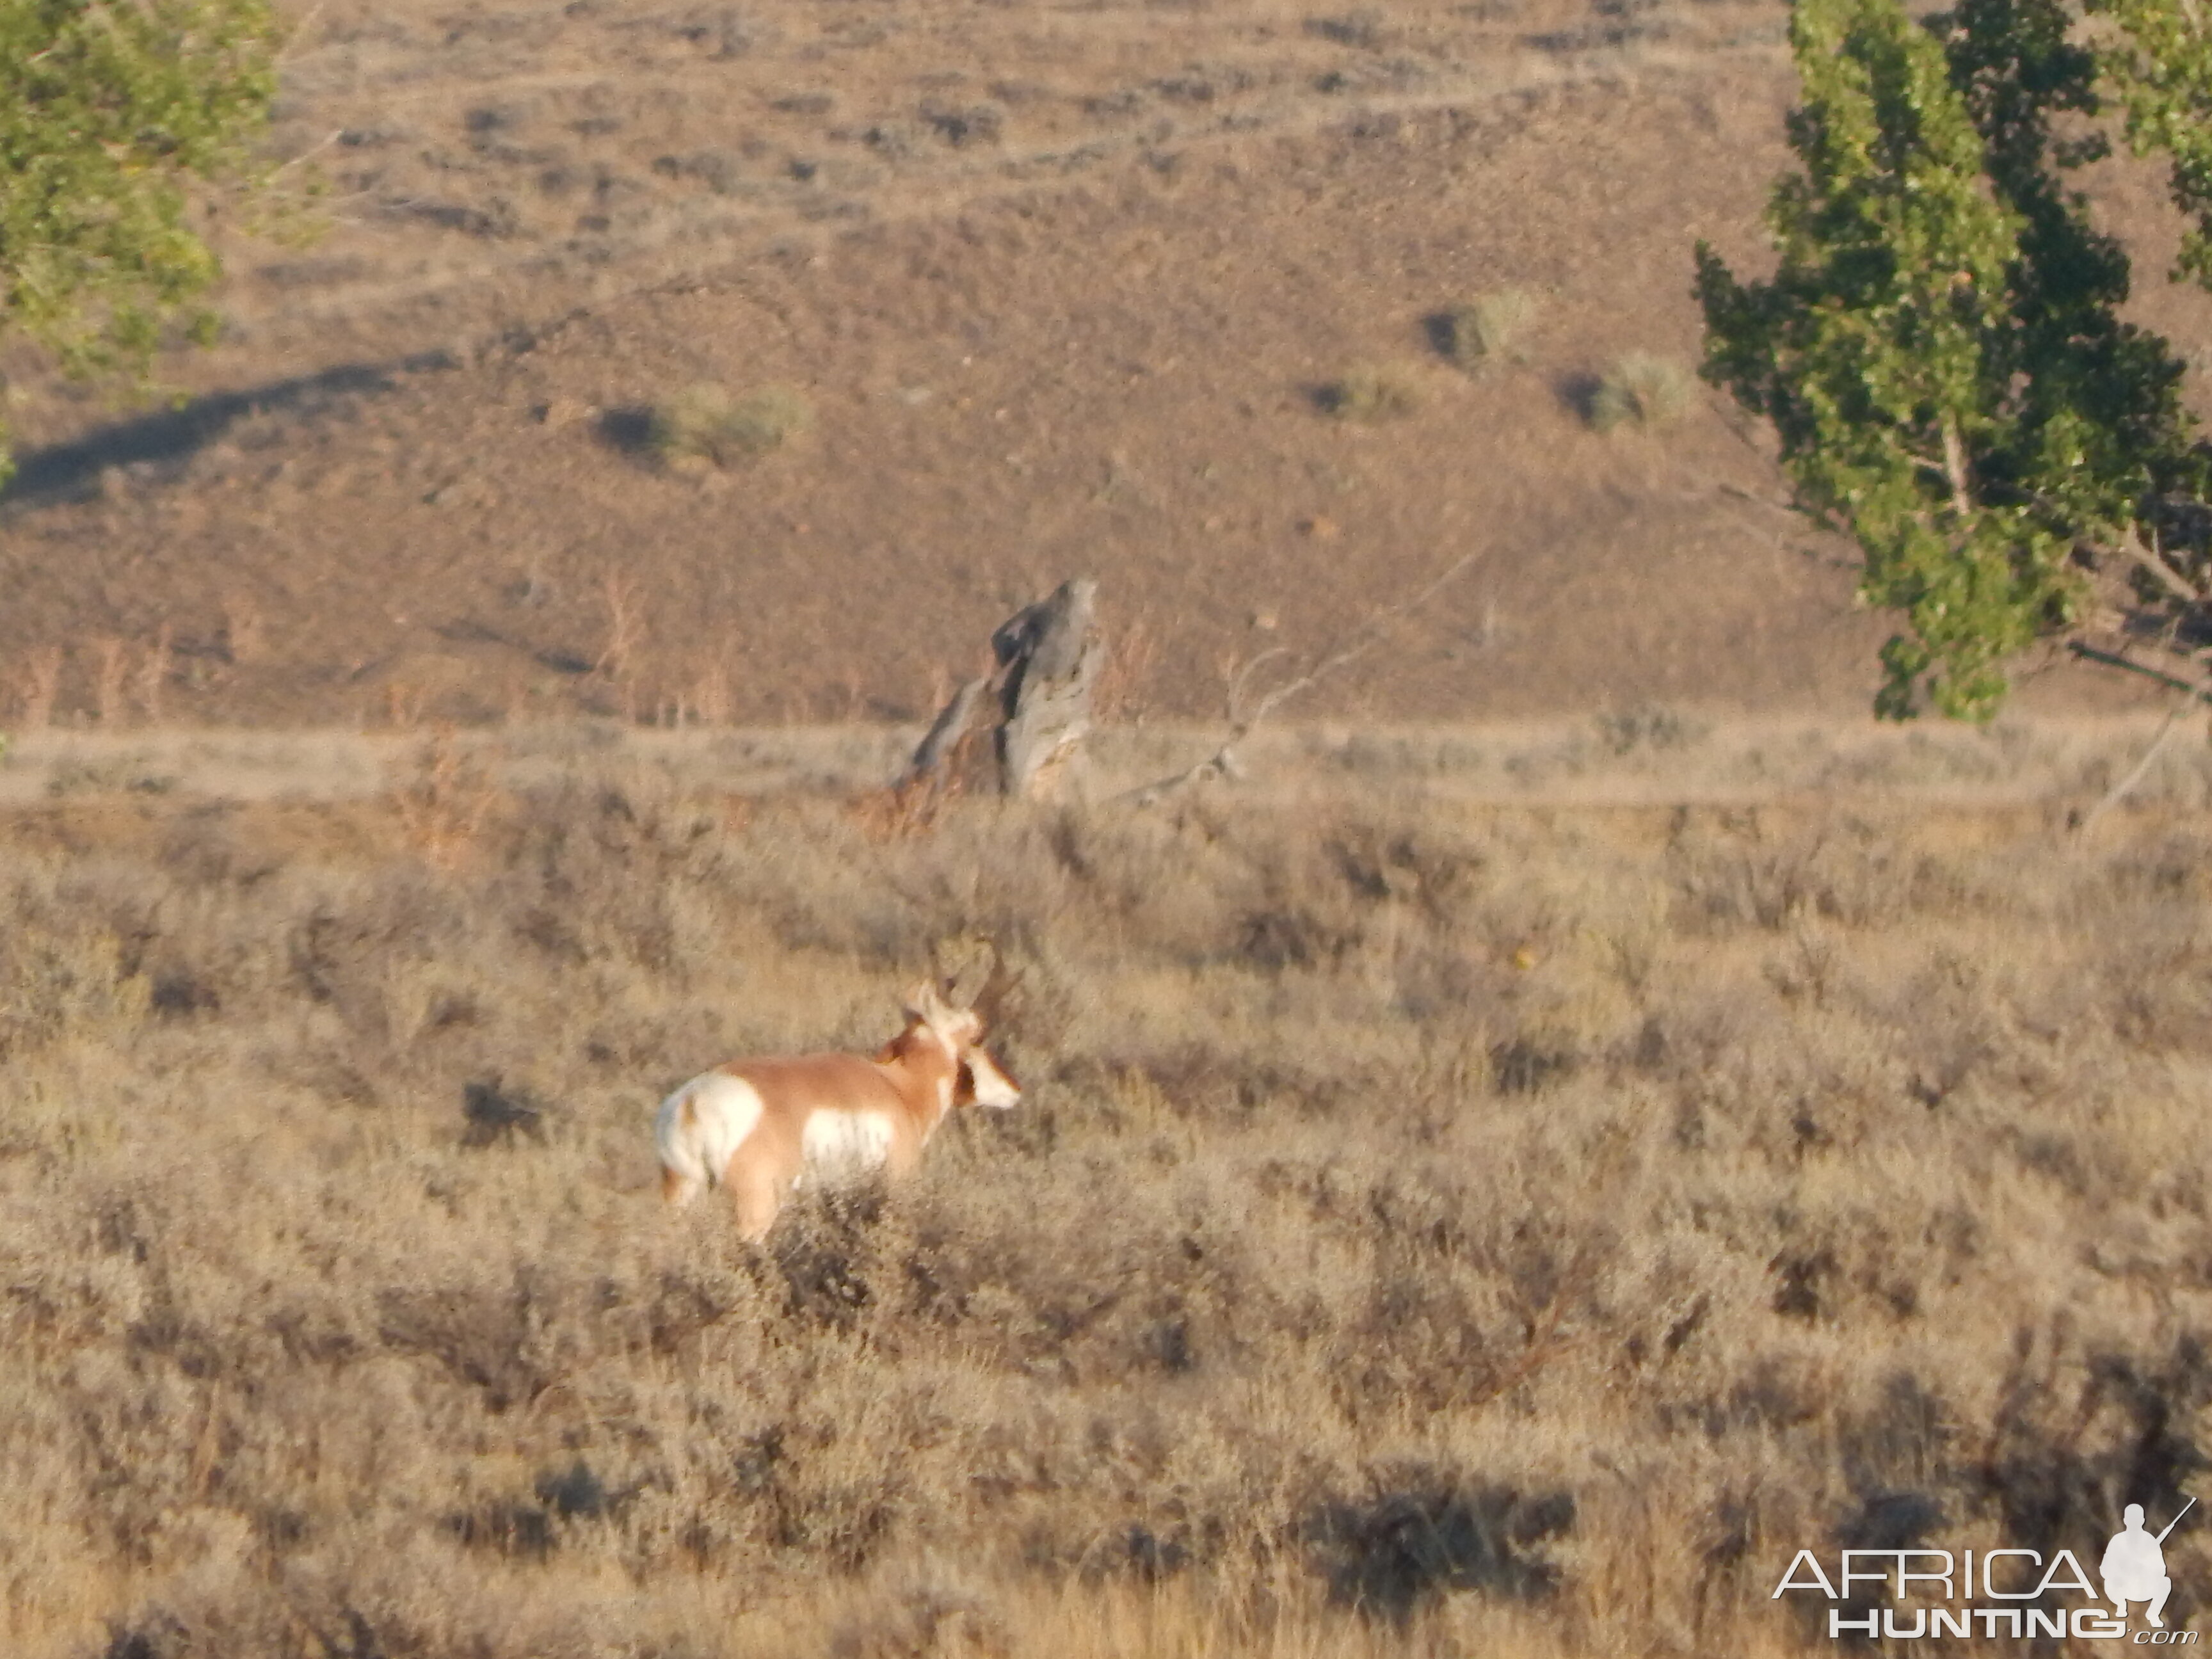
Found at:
(2011, 1593)
(2134, 1568)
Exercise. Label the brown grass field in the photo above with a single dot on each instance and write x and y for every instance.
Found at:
(1477, 1194)
(1587, 1118)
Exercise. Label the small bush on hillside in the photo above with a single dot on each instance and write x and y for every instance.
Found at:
(1642, 390)
(705, 422)
(1364, 30)
(1482, 332)
(1372, 392)
(1648, 725)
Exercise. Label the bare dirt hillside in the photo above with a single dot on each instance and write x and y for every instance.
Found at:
(1063, 290)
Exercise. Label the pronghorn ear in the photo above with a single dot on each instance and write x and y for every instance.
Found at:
(926, 1004)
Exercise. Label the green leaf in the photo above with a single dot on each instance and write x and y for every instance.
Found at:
(110, 115)
(1938, 351)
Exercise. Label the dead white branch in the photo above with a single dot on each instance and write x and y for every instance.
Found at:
(2121, 790)
(2149, 559)
(1224, 762)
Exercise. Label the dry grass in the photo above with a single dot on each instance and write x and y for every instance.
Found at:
(243, 638)
(1133, 650)
(625, 630)
(1369, 392)
(1485, 330)
(444, 802)
(708, 701)
(110, 675)
(36, 682)
(1429, 1229)
(706, 423)
(1641, 391)
(150, 683)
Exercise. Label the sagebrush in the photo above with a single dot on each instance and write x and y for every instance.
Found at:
(1429, 1228)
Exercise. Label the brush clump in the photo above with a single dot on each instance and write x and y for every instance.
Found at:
(707, 424)
(1424, 1231)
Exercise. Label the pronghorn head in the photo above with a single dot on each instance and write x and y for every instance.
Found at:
(979, 1081)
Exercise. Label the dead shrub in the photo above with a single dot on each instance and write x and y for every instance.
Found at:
(1368, 393)
(444, 808)
(1641, 391)
(110, 669)
(707, 424)
(1483, 331)
(35, 683)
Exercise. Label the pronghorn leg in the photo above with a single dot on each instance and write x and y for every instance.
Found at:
(677, 1189)
(757, 1201)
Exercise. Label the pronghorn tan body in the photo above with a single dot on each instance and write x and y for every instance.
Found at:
(762, 1128)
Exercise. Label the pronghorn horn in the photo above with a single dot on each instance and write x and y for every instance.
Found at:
(990, 997)
(966, 965)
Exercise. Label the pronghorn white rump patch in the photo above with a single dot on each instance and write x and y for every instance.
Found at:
(700, 1127)
(842, 1144)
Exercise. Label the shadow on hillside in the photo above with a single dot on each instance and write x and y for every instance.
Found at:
(1577, 391)
(2057, 1468)
(1882, 1521)
(2054, 1483)
(494, 1115)
(1390, 1553)
(628, 429)
(70, 471)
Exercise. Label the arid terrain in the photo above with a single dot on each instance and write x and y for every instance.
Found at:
(1476, 1193)
(1586, 1116)
(1063, 290)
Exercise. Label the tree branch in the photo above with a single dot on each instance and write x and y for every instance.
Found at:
(2089, 653)
(2119, 791)
(2148, 558)
(1955, 466)
(1224, 762)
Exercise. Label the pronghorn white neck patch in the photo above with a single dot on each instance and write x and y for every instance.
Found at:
(846, 1144)
(990, 1086)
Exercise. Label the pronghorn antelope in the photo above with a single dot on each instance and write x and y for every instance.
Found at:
(763, 1127)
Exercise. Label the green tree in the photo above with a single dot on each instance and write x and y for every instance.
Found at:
(1939, 351)
(110, 112)
(2160, 68)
